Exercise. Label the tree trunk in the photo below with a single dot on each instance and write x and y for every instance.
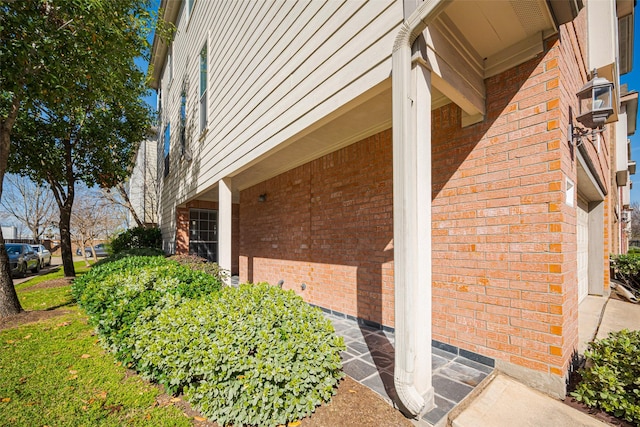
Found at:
(65, 240)
(127, 204)
(9, 303)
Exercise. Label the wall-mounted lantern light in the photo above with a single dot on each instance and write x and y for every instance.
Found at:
(594, 107)
(262, 198)
(595, 100)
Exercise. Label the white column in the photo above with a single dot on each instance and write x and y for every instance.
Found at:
(412, 244)
(225, 206)
(423, 263)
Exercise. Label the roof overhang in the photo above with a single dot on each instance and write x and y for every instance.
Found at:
(626, 18)
(564, 11)
(170, 10)
(630, 100)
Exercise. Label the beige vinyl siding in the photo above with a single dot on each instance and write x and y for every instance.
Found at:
(275, 68)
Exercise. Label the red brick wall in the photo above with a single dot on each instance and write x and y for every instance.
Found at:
(504, 275)
(327, 224)
(499, 221)
(504, 242)
(182, 230)
(573, 68)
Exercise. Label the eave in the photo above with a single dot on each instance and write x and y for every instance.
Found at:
(170, 9)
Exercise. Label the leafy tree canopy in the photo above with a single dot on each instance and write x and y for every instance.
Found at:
(72, 79)
(83, 109)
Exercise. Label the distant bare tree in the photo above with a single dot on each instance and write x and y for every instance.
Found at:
(30, 203)
(147, 190)
(118, 195)
(94, 217)
(151, 189)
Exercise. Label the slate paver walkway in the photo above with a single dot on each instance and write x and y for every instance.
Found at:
(369, 359)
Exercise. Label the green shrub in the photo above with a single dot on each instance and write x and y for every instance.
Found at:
(136, 238)
(628, 264)
(253, 355)
(116, 293)
(101, 270)
(137, 252)
(201, 264)
(612, 380)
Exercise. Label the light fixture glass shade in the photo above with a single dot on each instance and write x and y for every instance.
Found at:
(595, 99)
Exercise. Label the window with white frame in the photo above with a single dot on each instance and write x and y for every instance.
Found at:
(203, 88)
(188, 9)
(183, 119)
(159, 106)
(170, 64)
(167, 147)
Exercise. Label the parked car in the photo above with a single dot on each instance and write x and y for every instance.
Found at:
(22, 257)
(43, 254)
(101, 250)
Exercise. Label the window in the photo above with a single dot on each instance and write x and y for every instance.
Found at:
(167, 146)
(159, 104)
(167, 139)
(189, 8)
(183, 119)
(203, 88)
(170, 64)
(203, 233)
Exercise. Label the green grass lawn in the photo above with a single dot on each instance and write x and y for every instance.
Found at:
(54, 372)
(56, 273)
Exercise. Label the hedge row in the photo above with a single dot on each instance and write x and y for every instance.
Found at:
(253, 355)
(116, 293)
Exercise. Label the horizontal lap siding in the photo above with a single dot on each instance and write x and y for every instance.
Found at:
(275, 68)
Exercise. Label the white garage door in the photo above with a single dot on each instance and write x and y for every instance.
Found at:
(583, 249)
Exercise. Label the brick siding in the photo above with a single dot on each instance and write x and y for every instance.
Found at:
(504, 240)
(327, 224)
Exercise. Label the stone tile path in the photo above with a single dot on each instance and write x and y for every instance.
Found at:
(369, 359)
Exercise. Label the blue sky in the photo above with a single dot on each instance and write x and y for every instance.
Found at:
(633, 80)
(151, 98)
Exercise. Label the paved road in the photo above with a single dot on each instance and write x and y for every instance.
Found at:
(45, 270)
(56, 262)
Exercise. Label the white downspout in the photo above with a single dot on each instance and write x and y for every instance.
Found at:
(225, 226)
(410, 271)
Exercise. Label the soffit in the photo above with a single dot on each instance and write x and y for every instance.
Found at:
(624, 7)
(490, 28)
(631, 101)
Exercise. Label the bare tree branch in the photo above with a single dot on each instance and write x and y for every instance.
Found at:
(123, 200)
(30, 203)
(94, 218)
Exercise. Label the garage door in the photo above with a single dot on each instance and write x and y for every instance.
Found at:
(583, 249)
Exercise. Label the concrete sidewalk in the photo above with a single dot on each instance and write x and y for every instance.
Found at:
(506, 402)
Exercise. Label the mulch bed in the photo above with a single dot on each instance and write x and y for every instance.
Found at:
(354, 405)
(596, 413)
(55, 283)
(25, 317)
